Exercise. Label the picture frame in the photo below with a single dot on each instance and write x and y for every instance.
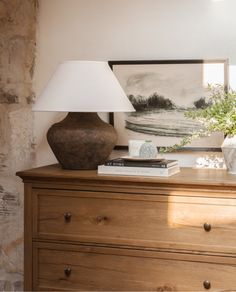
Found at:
(161, 91)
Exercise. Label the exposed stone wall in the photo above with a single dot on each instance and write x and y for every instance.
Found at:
(17, 54)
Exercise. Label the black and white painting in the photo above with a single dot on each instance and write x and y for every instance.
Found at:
(161, 91)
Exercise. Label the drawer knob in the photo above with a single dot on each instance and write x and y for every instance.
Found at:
(67, 271)
(207, 227)
(101, 218)
(207, 284)
(67, 216)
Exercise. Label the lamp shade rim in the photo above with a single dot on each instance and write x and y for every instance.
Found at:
(82, 61)
(83, 111)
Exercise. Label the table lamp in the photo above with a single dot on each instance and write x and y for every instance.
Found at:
(82, 88)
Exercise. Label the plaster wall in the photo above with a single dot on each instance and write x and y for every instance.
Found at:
(17, 55)
(129, 30)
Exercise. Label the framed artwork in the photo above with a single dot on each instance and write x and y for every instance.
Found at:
(161, 92)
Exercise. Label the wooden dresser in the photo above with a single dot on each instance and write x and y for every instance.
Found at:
(87, 232)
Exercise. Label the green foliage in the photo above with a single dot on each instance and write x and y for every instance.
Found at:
(219, 116)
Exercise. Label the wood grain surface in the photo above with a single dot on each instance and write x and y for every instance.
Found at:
(147, 220)
(187, 176)
(87, 232)
(104, 269)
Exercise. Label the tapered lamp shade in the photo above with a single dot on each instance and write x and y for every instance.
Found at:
(82, 88)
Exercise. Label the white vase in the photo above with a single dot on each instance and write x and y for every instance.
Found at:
(229, 151)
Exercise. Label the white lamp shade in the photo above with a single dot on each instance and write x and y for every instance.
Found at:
(83, 86)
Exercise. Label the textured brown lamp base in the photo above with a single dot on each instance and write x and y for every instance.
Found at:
(81, 141)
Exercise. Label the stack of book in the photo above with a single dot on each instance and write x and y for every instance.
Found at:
(152, 167)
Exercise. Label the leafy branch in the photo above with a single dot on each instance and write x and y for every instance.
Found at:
(219, 116)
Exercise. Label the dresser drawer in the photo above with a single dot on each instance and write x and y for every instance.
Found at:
(105, 269)
(178, 222)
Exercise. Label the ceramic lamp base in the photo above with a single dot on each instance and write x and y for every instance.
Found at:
(81, 141)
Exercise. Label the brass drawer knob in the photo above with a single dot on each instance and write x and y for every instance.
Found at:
(67, 271)
(207, 284)
(67, 216)
(207, 227)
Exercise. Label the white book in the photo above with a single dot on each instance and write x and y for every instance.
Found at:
(142, 171)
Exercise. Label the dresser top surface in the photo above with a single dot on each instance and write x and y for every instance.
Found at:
(214, 177)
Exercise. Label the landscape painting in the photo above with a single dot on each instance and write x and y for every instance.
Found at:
(161, 92)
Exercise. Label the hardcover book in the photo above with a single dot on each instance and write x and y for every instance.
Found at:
(153, 163)
(142, 171)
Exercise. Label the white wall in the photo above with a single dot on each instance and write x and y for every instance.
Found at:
(126, 30)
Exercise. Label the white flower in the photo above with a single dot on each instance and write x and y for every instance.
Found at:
(213, 121)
